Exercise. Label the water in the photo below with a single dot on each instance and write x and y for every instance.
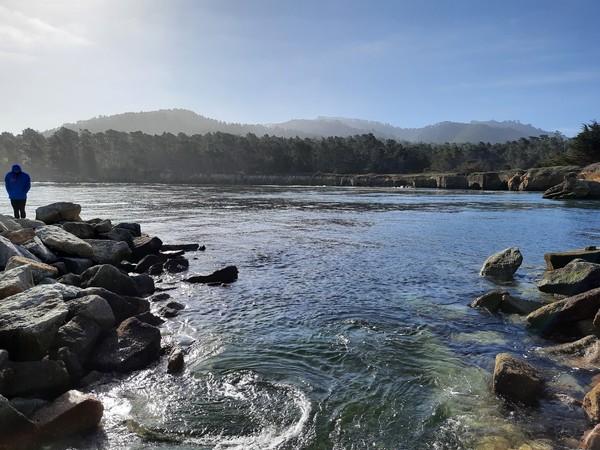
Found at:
(348, 327)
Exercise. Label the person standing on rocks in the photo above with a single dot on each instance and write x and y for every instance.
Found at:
(17, 185)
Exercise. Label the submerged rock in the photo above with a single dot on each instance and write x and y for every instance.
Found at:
(228, 274)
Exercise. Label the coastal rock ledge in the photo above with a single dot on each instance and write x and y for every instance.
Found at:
(73, 302)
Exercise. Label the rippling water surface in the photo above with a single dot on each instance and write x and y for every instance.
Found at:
(348, 327)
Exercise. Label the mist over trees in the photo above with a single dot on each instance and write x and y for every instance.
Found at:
(68, 155)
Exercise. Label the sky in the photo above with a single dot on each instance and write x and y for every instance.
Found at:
(408, 63)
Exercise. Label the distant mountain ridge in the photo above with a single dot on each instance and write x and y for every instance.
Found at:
(177, 121)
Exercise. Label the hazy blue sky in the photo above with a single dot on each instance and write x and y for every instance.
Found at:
(406, 63)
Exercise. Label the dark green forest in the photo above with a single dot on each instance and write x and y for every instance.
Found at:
(68, 155)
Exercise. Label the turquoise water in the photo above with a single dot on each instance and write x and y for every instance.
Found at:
(348, 327)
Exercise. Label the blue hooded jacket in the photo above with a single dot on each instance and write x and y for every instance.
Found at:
(17, 183)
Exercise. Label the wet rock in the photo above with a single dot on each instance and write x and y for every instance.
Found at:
(72, 413)
(121, 307)
(148, 261)
(134, 228)
(131, 346)
(58, 212)
(92, 307)
(591, 404)
(15, 429)
(176, 265)
(516, 380)
(118, 235)
(145, 245)
(558, 260)
(144, 284)
(564, 312)
(176, 361)
(42, 379)
(101, 225)
(60, 240)
(82, 230)
(490, 300)
(576, 277)
(109, 252)
(150, 319)
(109, 277)
(39, 270)
(30, 320)
(181, 247)
(591, 439)
(583, 353)
(502, 265)
(228, 274)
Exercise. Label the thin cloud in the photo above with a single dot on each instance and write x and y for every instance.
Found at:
(534, 80)
(21, 33)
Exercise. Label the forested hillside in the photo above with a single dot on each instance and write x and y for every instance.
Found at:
(188, 122)
(139, 157)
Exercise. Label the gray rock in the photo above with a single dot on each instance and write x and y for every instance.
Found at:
(176, 361)
(79, 335)
(30, 223)
(102, 226)
(122, 308)
(576, 277)
(565, 312)
(70, 414)
(7, 251)
(72, 363)
(119, 235)
(42, 379)
(82, 230)
(144, 284)
(131, 346)
(58, 212)
(134, 228)
(60, 240)
(109, 277)
(228, 274)
(27, 254)
(145, 245)
(30, 320)
(38, 269)
(14, 281)
(77, 265)
(8, 223)
(176, 265)
(148, 261)
(109, 252)
(92, 307)
(516, 380)
(37, 247)
(15, 428)
(19, 237)
(502, 265)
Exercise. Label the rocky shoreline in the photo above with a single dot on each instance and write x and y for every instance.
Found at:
(570, 320)
(556, 182)
(75, 304)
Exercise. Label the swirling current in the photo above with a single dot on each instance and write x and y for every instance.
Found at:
(349, 326)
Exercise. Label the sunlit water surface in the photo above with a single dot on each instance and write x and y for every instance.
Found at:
(348, 327)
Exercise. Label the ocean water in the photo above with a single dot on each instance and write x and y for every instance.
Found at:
(349, 326)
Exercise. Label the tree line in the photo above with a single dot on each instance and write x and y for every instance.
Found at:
(67, 155)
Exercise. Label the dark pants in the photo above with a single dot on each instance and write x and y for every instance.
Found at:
(19, 208)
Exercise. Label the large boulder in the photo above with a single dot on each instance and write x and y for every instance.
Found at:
(58, 212)
(131, 346)
(7, 223)
(37, 247)
(576, 277)
(109, 277)
(516, 380)
(502, 265)
(39, 270)
(76, 265)
(79, 335)
(72, 413)
(122, 307)
(7, 251)
(42, 379)
(15, 280)
(60, 240)
(19, 237)
(15, 428)
(143, 246)
(30, 320)
(557, 260)
(92, 307)
(565, 312)
(82, 230)
(109, 251)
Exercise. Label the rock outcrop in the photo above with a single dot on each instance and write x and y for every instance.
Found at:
(502, 265)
